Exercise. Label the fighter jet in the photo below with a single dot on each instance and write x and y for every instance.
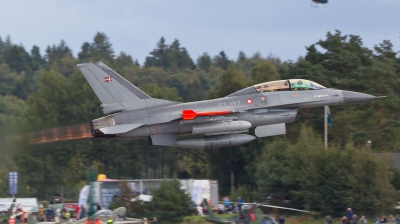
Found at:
(267, 107)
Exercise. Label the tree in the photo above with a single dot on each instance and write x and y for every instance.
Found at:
(325, 180)
(123, 60)
(222, 60)
(37, 61)
(264, 72)
(242, 57)
(99, 50)
(11, 109)
(124, 199)
(226, 162)
(17, 58)
(172, 57)
(162, 93)
(231, 81)
(346, 64)
(158, 56)
(204, 62)
(56, 53)
(170, 203)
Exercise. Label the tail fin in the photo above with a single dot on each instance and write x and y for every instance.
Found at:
(108, 85)
(116, 93)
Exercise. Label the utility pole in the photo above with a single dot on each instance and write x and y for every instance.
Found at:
(326, 127)
(232, 182)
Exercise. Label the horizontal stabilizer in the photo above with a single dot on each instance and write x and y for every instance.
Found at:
(119, 129)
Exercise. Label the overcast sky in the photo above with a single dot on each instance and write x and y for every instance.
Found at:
(280, 27)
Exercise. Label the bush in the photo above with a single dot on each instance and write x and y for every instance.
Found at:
(170, 203)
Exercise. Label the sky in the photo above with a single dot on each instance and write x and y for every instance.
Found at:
(279, 27)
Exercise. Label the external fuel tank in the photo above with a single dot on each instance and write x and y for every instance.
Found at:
(217, 141)
(230, 126)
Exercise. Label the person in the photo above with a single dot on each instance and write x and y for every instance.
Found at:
(391, 219)
(328, 219)
(344, 220)
(363, 220)
(40, 212)
(266, 221)
(145, 221)
(377, 220)
(67, 215)
(98, 206)
(63, 210)
(355, 219)
(349, 214)
(110, 220)
(239, 203)
(51, 213)
(11, 220)
(200, 210)
(76, 212)
(273, 220)
(18, 215)
(397, 219)
(229, 210)
(281, 220)
(227, 202)
(82, 212)
(383, 219)
(155, 221)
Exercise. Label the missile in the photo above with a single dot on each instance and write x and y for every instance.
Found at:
(191, 114)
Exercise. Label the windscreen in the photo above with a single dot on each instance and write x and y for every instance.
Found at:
(281, 85)
(303, 84)
(287, 85)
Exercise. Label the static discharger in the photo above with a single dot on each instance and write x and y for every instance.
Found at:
(191, 114)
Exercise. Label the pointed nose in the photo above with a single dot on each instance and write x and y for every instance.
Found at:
(355, 97)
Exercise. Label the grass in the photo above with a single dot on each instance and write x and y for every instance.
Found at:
(289, 219)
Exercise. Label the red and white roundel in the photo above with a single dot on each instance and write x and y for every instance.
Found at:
(249, 101)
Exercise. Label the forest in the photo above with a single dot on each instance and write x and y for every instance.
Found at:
(47, 90)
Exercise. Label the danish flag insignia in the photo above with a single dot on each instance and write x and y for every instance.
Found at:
(107, 79)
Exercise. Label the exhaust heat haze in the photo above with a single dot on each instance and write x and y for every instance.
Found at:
(71, 132)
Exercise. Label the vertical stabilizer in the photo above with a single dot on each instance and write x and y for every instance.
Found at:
(109, 86)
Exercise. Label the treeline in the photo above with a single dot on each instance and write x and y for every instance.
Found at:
(37, 89)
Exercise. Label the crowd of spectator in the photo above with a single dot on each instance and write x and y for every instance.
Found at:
(52, 213)
(352, 218)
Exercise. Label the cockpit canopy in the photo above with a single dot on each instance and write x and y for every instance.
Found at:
(288, 85)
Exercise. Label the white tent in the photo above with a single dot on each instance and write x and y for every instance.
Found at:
(143, 197)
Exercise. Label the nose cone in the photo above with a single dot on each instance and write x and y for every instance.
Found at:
(355, 97)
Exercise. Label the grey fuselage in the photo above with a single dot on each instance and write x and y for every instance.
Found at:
(256, 108)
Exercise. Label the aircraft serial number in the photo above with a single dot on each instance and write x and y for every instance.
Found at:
(229, 104)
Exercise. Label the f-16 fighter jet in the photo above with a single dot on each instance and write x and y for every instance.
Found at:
(216, 123)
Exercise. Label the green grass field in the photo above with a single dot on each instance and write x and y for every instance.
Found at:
(289, 220)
